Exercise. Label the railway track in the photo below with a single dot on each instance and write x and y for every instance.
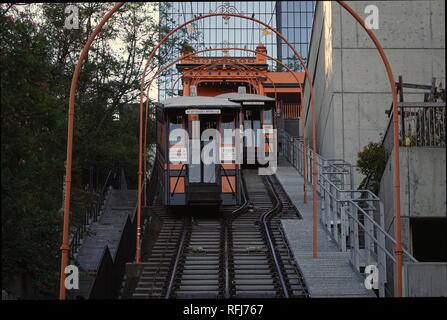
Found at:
(238, 252)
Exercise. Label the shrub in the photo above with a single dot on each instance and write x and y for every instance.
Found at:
(371, 163)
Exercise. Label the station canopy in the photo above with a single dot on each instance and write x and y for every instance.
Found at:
(247, 98)
(198, 102)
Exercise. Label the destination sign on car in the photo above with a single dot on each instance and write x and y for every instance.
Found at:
(203, 111)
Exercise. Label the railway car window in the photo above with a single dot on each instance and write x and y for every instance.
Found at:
(257, 132)
(175, 122)
(252, 121)
(248, 139)
(209, 170)
(227, 124)
(267, 116)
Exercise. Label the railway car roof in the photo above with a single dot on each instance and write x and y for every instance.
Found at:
(238, 97)
(198, 102)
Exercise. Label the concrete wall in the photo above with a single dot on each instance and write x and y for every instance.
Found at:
(422, 185)
(351, 88)
(425, 280)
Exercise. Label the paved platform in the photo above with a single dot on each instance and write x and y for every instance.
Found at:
(331, 274)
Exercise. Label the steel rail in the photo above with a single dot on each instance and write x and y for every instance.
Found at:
(271, 245)
(177, 258)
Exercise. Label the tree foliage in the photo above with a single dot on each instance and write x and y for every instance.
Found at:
(38, 57)
(371, 163)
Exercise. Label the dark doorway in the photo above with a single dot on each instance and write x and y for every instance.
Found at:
(429, 239)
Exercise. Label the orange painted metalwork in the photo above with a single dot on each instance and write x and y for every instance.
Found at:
(199, 68)
(65, 247)
(291, 111)
(250, 69)
(392, 81)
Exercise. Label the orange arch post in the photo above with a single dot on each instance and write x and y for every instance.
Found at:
(392, 81)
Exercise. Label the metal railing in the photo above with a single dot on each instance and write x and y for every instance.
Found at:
(93, 212)
(290, 110)
(421, 124)
(353, 218)
(424, 124)
(110, 270)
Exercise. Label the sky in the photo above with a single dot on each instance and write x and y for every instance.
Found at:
(116, 44)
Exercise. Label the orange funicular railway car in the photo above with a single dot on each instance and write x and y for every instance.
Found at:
(257, 124)
(196, 152)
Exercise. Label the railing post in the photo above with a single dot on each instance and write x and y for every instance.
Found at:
(294, 163)
(368, 224)
(333, 205)
(381, 255)
(310, 166)
(324, 206)
(343, 222)
(327, 205)
(355, 238)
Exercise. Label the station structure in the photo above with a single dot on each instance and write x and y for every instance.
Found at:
(217, 75)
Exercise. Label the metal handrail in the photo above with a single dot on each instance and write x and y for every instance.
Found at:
(91, 214)
(271, 246)
(340, 202)
(381, 229)
(178, 177)
(180, 247)
(228, 180)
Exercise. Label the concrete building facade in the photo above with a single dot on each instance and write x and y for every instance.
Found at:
(352, 93)
(352, 90)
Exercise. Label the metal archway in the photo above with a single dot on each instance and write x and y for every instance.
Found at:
(65, 245)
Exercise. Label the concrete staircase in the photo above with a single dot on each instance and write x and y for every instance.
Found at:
(106, 232)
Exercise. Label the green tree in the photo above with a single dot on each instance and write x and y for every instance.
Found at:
(371, 163)
(31, 162)
(38, 57)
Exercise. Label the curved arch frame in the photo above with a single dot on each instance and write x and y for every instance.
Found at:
(203, 67)
(251, 78)
(392, 81)
(239, 65)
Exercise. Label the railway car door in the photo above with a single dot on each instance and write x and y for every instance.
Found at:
(209, 170)
(202, 172)
(252, 125)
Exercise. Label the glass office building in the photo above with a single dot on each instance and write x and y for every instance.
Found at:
(292, 18)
